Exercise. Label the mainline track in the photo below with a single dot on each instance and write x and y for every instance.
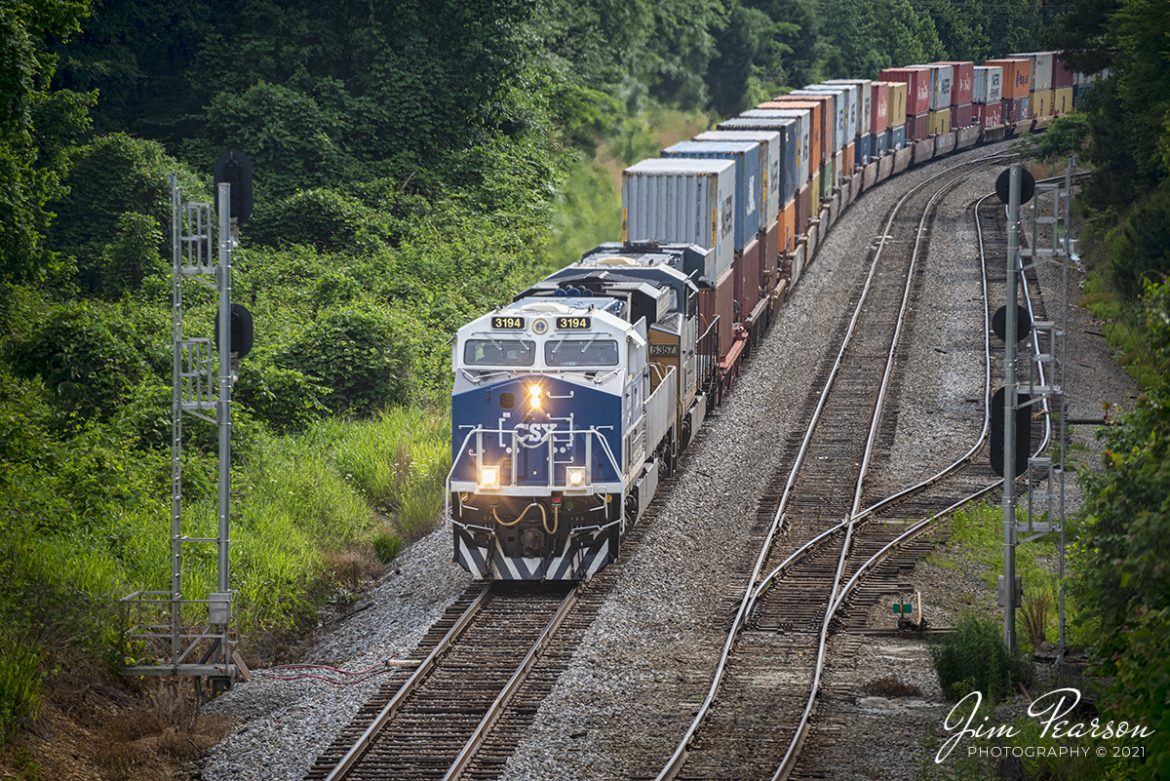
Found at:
(776, 643)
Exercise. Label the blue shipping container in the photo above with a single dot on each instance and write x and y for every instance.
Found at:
(749, 179)
(794, 142)
(881, 143)
(865, 148)
(899, 137)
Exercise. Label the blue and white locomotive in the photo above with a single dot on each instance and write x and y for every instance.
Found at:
(569, 404)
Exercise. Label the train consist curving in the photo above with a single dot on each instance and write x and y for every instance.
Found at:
(572, 402)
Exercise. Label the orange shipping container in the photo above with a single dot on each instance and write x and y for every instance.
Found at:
(1017, 77)
(816, 141)
(790, 229)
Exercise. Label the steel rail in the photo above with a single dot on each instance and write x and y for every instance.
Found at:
(409, 686)
(678, 757)
(793, 751)
(789, 761)
(495, 711)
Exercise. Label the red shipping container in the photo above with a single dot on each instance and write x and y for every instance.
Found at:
(963, 84)
(917, 82)
(879, 107)
(747, 278)
(918, 128)
(988, 114)
(1062, 75)
(961, 116)
(719, 300)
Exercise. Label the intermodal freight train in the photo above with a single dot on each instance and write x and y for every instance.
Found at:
(573, 402)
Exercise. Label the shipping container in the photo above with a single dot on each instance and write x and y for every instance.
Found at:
(962, 81)
(1062, 74)
(1040, 79)
(834, 112)
(682, 200)
(866, 149)
(1016, 110)
(772, 145)
(749, 180)
(1064, 100)
(802, 202)
(897, 102)
(1017, 76)
(897, 137)
(864, 111)
(794, 150)
(717, 298)
(961, 116)
(918, 128)
(917, 81)
(820, 134)
(812, 140)
(879, 107)
(988, 114)
(941, 82)
(1043, 103)
(940, 121)
(988, 84)
(791, 229)
(852, 102)
(881, 143)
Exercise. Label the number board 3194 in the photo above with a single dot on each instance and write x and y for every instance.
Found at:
(574, 323)
(508, 322)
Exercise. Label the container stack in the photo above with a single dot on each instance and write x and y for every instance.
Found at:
(833, 110)
(1040, 94)
(941, 87)
(771, 146)
(918, 85)
(689, 201)
(749, 207)
(1017, 78)
(896, 134)
(962, 89)
(879, 118)
(791, 169)
(820, 141)
(987, 95)
(864, 144)
(1062, 85)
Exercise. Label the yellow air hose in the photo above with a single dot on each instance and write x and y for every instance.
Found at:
(524, 512)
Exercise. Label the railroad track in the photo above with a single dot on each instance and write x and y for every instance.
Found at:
(775, 645)
(484, 668)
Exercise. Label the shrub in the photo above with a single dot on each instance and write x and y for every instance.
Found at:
(285, 399)
(86, 355)
(387, 545)
(973, 658)
(320, 217)
(354, 352)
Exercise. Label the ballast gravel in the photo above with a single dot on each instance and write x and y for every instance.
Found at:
(645, 663)
(286, 724)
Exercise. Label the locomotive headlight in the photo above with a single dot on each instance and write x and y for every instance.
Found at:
(535, 394)
(489, 478)
(576, 476)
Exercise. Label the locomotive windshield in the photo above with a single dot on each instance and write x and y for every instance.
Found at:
(499, 352)
(581, 352)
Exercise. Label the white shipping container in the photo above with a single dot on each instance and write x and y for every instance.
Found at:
(682, 200)
(846, 95)
(1041, 79)
(863, 112)
(771, 141)
(988, 84)
(762, 118)
(941, 84)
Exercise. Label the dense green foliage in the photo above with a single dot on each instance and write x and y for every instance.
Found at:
(973, 659)
(1122, 581)
(415, 162)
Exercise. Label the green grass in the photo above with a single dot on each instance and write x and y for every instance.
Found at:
(20, 683)
(977, 535)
